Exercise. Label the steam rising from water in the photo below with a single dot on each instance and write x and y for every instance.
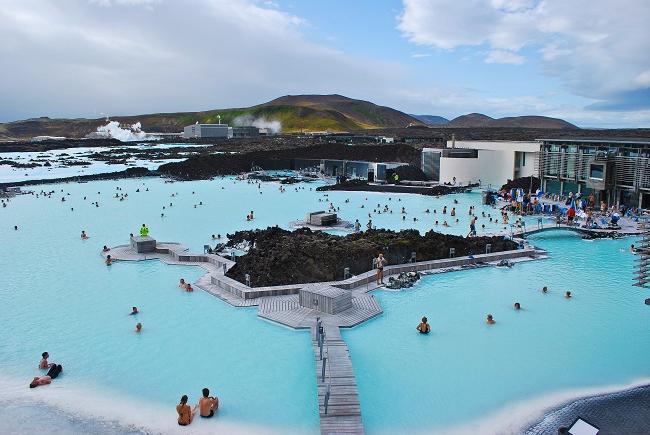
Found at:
(113, 130)
(274, 127)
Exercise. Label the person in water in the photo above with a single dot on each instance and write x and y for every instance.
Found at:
(84, 236)
(53, 373)
(44, 365)
(517, 306)
(188, 287)
(208, 404)
(544, 289)
(134, 311)
(106, 248)
(185, 413)
(138, 327)
(109, 260)
(490, 320)
(182, 283)
(567, 295)
(424, 327)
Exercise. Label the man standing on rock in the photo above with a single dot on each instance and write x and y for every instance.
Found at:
(380, 262)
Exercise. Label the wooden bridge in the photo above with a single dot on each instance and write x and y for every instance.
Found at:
(540, 228)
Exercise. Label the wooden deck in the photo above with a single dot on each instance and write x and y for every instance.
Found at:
(287, 311)
(343, 414)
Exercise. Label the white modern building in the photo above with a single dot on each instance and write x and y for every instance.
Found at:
(492, 163)
(207, 130)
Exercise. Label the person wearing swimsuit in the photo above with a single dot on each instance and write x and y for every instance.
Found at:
(185, 413)
(424, 328)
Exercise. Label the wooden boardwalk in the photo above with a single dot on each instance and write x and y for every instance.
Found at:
(343, 414)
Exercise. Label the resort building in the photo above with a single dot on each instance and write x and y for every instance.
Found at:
(207, 130)
(491, 163)
(615, 170)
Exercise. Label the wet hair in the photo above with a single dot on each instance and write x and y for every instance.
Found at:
(45, 354)
(424, 320)
(206, 392)
(183, 399)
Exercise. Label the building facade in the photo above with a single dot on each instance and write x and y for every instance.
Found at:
(207, 130)
(492, 163)
(615, 170)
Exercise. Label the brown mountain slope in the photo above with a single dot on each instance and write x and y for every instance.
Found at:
(475, 120)
(295, 112)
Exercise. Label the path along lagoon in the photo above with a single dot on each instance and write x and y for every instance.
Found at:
(60, 297)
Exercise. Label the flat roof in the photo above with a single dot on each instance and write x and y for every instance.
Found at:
(635, 140)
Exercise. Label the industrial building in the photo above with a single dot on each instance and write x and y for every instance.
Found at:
(491, 163)
(223, 131)
(371, 171)
(615, 170)
(246, 131)
(207, 130)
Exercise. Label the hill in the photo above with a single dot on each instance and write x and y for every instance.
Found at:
(293, 112)
(475, 120)
(431, 119)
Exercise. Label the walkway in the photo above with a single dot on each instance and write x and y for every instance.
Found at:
(528, 231)
(343, 413)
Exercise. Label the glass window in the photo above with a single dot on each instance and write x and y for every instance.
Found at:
(596, 172)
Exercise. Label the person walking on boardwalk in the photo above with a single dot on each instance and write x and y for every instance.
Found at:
(380, 262)
(144, 230)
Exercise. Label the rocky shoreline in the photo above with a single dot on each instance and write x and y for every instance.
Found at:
(128, 173)
(364, 186)
(206, 166)
(277, 256)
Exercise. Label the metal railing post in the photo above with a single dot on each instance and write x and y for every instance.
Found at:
(322, 376)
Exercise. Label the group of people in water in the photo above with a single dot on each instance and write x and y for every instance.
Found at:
(424, 327)
(206, 407)
(185, 285)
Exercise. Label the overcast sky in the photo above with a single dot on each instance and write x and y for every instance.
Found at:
(587, 61)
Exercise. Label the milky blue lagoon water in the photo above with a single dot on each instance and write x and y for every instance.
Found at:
(57, 295)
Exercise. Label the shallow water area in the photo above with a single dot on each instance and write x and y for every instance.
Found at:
(467, 370)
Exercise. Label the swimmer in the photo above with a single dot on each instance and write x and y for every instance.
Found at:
(517, 306)
(16, 227)
(213, 237)
(188, 287)
(544, 289)
(632, 249)
(134, 311)
(185, 413)
(109, 260)
(208, 404)
(44, 365)
(106, 248)
(182, 284)
(84, 236)
(490, 320)
(424, 327)
(138, 327)
(567, 295)
(53, 373)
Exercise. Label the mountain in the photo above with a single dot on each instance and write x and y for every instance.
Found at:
(431, 119)
(294, 112)
(476, 120)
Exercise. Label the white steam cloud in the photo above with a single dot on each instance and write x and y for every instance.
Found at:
(274, 127)
(113, 130)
